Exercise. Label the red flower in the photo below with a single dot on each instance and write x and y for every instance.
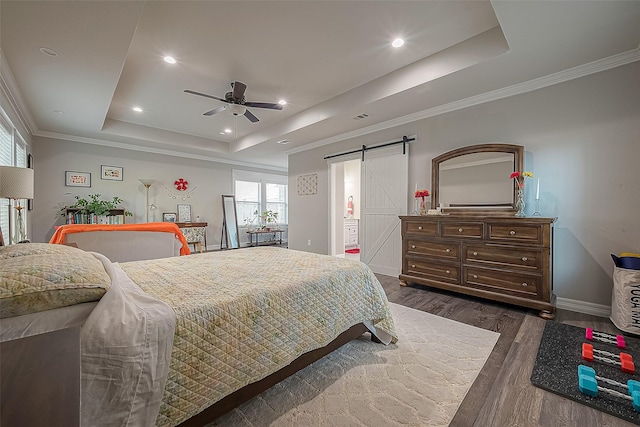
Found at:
(181, 184)
(515, 174)
(421, 193)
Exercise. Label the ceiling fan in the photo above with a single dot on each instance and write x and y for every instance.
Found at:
(237, 103)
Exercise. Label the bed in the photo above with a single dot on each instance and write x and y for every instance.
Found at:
(179, 341)
(125, 242)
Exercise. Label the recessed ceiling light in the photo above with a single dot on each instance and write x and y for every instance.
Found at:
(169, 60)
(222, 133)
(282, 102)
(137, 109)
(397, 43)
(227, 130)
(49, 52)
(58, 111)
(284, 141)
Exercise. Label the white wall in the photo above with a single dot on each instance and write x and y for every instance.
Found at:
(582, 139)
(53, 157)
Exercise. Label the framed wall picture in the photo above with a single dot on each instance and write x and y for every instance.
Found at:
(77, 179)
(111, 173)
(184, 213)
(169, 217)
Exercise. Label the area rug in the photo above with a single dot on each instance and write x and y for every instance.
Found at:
(352, 251)
(420, 381)
(556, 368)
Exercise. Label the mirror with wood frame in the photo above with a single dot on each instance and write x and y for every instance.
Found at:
(475, 179)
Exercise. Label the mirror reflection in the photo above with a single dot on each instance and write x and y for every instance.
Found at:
(477, 180)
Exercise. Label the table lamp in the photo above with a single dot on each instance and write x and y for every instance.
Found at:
(16, 183)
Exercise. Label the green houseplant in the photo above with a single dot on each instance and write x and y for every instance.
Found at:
(94, 205)
(269, 219)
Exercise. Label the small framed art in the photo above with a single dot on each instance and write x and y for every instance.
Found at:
(111, 173)
(77, 179)
(184, 213)
(169, 217)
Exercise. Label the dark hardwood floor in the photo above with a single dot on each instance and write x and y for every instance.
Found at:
(503, 395)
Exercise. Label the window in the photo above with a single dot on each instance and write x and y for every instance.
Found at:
(260, 192)
(13, 152)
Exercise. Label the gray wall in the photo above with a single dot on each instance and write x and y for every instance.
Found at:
(53, 157)
(582, 139)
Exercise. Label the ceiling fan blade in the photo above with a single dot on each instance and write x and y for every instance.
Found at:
(249, 115)
(269, 105)
(238, 91)
(214, 111)
(193, 92)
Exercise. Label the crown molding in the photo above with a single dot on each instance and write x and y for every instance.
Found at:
(10, 88)
(594, 67)
(153, 150)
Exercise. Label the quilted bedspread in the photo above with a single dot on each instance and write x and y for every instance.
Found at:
(244, 314)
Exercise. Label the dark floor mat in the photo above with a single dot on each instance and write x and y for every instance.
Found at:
(556, 369)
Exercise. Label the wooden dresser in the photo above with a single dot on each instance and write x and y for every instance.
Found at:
(505, 259)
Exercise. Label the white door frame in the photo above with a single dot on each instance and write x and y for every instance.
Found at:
(335, 210)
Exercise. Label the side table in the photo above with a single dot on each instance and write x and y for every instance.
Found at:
(257, 234)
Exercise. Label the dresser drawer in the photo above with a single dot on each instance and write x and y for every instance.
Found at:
(503, 256)
(462, 229)
(515, 233)
(499, 281)
(435, 249)
(423, 228)
(431, 270)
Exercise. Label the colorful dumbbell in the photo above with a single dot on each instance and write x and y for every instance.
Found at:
(588, 384)
(624, 360)
(618, 340)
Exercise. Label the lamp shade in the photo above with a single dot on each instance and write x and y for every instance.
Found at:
(16, 183)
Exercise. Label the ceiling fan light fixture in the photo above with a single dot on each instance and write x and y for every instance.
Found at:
(236, 110)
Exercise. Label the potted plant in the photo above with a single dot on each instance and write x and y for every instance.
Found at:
(269, 220)
(95, 206)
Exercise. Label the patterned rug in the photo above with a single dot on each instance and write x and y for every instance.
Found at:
(420, 381)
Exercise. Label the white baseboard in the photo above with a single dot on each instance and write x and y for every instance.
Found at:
(583, 307)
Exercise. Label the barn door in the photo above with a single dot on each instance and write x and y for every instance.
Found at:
(384, 180)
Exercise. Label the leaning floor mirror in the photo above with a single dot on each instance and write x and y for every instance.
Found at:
(229, 223)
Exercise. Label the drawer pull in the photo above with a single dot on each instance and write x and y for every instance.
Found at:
(512, 232)
(475, 253)
(525, 285)
(420, 227)
(475, 276)
(524, 258)
(448, 250)
(413, 246)
(460, 230)
(413, 266)
(447, 272)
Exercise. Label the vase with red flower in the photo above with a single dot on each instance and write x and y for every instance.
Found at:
(519, 179)
(421, 196)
